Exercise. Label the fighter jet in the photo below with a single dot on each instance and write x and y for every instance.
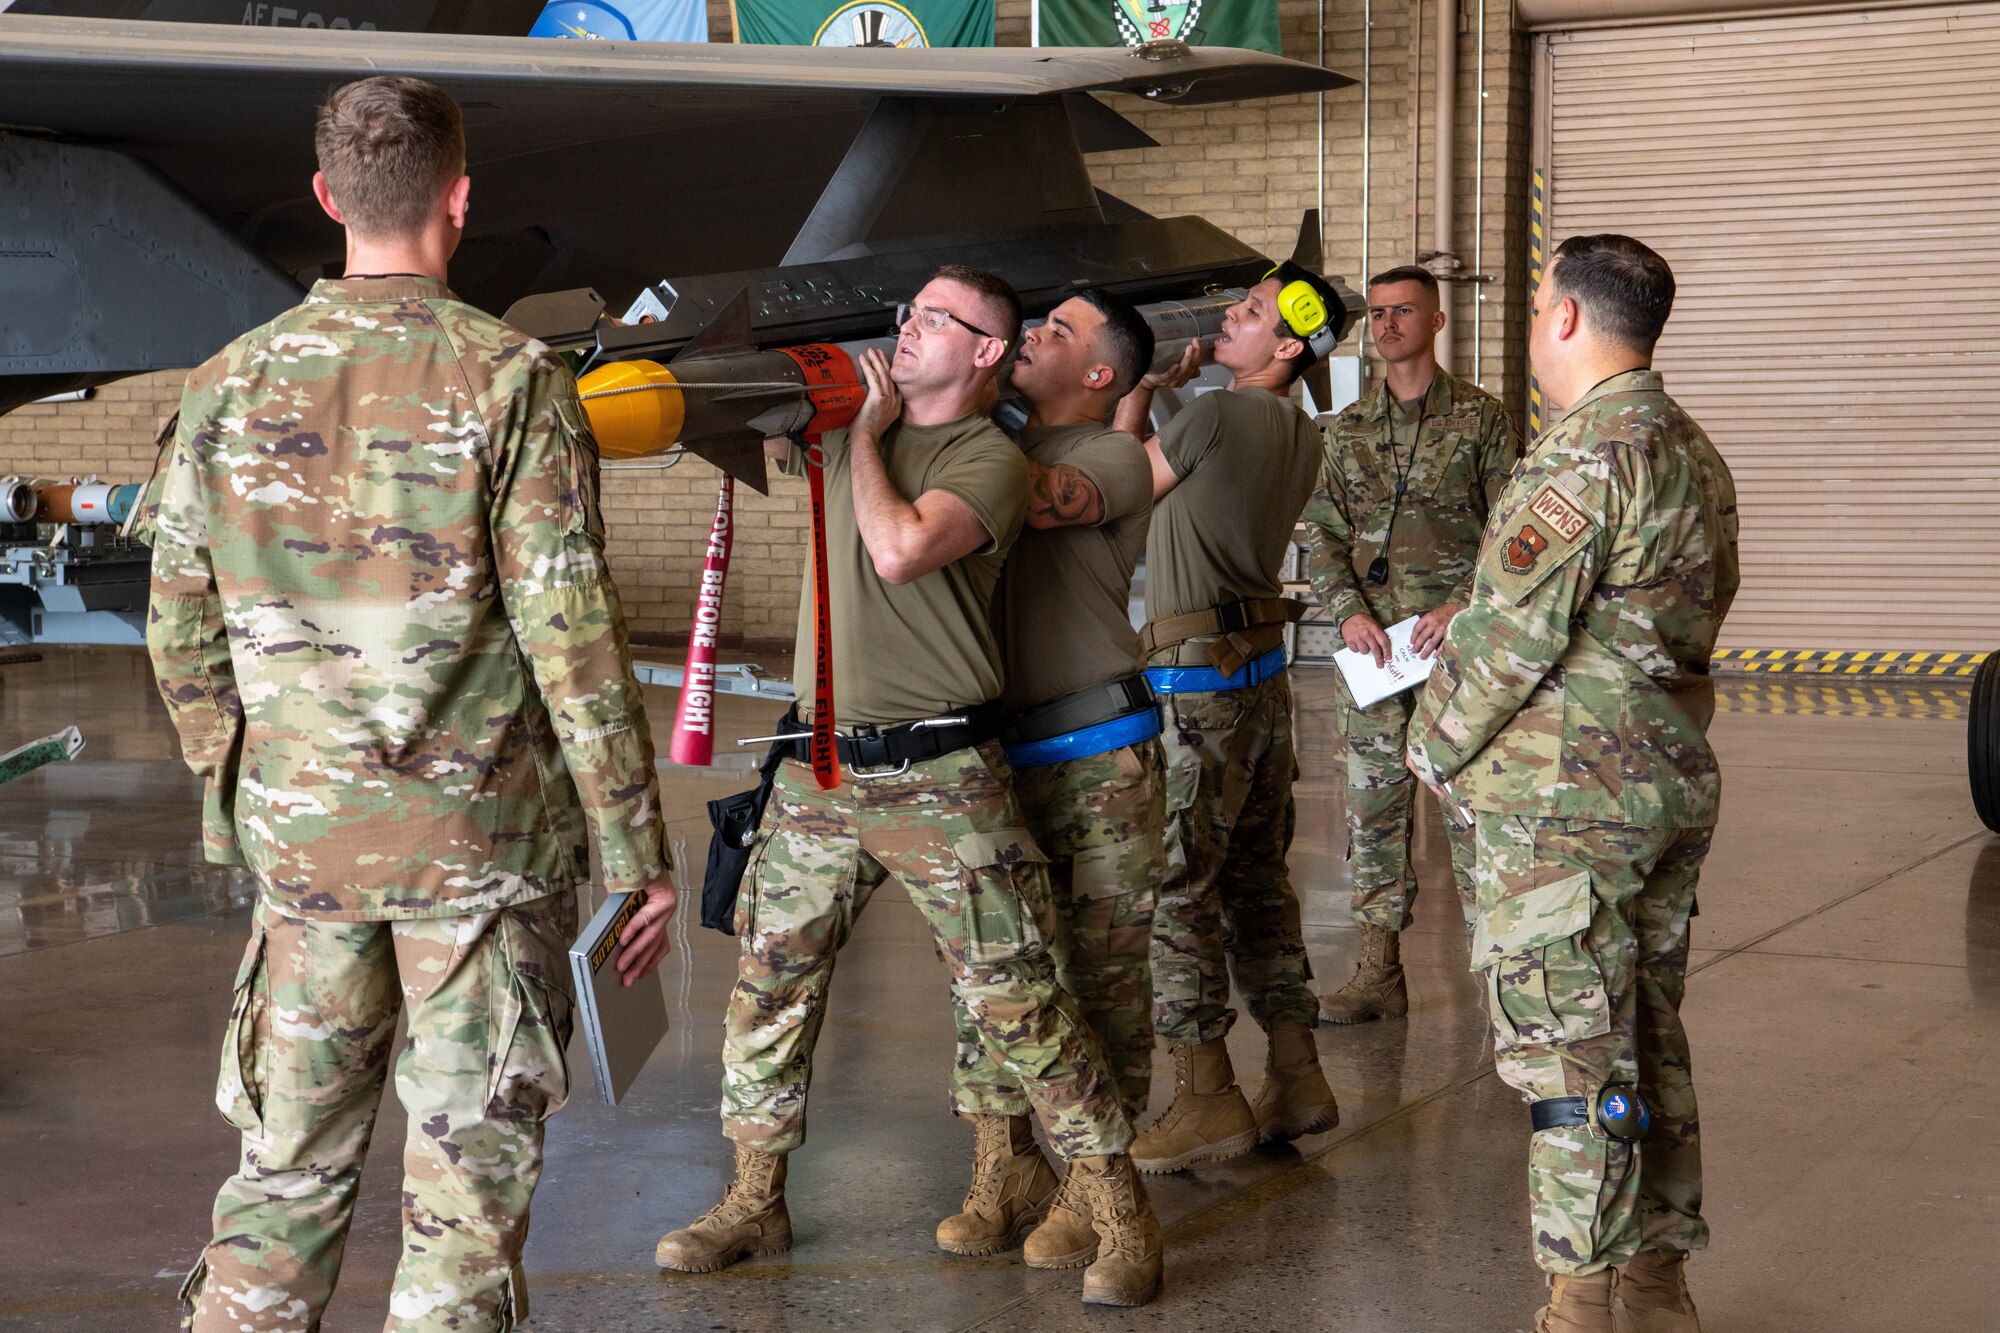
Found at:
(157, 176)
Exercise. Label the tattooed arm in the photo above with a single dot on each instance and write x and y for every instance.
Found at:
(1062, 497)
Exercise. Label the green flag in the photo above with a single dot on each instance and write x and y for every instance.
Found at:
(883, 23)
(1246, 23)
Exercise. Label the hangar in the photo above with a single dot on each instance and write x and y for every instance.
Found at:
(1821, 179)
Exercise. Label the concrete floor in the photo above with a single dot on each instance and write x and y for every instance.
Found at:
(1844, 1021)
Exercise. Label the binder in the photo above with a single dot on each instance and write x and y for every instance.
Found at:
(622, 1025)
(1371, 684)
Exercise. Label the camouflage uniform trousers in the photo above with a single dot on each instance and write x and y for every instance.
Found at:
(1100, 820)
(950, 831)
(1228, 903)
(1382, 799)
(303, 1063)
(1583, 936)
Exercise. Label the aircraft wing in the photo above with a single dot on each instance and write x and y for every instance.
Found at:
(594, 163)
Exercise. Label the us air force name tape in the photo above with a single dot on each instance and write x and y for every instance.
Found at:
(1616, 1112)
(1304, 310)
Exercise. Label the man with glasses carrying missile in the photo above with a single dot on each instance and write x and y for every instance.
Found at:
(1231, 473)
(923, 498)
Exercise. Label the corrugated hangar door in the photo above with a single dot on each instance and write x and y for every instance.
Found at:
(1827, 189)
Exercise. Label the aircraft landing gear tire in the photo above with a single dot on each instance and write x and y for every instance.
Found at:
(1982, 743)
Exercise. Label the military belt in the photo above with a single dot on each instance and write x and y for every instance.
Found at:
(1207, 680)
(1091, 721)
(1230, 620)
(891, 748)
(1079, 709)
(1617, 1111)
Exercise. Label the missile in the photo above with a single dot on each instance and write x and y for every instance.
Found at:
(721, 396)
(90, 503)
(715, 363)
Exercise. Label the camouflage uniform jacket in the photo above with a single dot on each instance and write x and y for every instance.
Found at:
(382, 620)
(1466, 447)
(1575, 684)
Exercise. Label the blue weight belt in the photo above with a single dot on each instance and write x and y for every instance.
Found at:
(1098, 738)
(1207, 680)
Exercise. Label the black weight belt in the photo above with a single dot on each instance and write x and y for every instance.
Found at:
(1078, 709)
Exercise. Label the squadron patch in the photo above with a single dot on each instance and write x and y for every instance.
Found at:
(1559, 512)
(1523, 549)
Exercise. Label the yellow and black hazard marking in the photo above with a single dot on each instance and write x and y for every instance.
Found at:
(1838, 697)
(1846, 662)
(1538, 212)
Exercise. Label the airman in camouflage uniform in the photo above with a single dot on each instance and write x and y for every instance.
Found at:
(1567, 715)
(924, 497)
(1087, 762)
(1408, 475)
(384, 629)
(1231, 472)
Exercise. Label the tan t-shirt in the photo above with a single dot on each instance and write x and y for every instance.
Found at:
(1247, 459)
(1065, 594)
(921, 649)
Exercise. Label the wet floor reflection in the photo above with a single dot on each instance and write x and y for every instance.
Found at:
(1841, 696)
(1982, 925)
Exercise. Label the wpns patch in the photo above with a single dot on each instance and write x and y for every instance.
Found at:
(1559, 512)
(1523, 549)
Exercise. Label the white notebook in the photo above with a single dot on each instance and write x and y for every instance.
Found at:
(1370, 684)
(622, 1025)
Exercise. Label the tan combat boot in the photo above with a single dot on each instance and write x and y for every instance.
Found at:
(1651, 1295)
(1208, 1121)
(1577, 1305)
(1129, 1247)
(1065, 1239)
(1011, 1184)
(750, 1221)
(1377, 989)
(1295, 1099)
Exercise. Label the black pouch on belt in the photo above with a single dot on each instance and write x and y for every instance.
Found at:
(735, 819)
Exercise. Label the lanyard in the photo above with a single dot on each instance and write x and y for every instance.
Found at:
(1378, 569)
(1403, 470)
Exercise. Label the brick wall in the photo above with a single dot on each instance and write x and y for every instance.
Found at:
(1250, 169)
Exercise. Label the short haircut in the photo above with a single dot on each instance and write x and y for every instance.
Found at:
(1127, 339)
(388, 147)
(1336, 312)
(1416, 273)
(1622, 285)
(995, 291)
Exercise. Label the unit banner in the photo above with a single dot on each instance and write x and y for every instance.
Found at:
(1244, 23)
(624, 20)
(882, 23)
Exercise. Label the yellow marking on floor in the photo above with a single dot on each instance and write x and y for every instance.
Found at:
(1843, 698)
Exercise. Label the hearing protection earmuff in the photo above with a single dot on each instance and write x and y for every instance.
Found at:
(1303, 310)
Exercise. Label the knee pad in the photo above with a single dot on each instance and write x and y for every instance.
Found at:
(1614, 1111)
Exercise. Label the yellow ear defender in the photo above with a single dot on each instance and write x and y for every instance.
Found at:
(1303, 311)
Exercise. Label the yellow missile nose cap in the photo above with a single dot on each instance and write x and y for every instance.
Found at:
(644, 420)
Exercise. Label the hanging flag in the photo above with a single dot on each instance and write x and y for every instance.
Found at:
(624, 20)
(1245, 23)
(883, 23)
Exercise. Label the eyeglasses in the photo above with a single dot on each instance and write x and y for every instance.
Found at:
(933, 319)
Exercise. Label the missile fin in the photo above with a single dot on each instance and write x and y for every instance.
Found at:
(740, 454)
(558, 318)
(1307, 253)
(727, 332)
